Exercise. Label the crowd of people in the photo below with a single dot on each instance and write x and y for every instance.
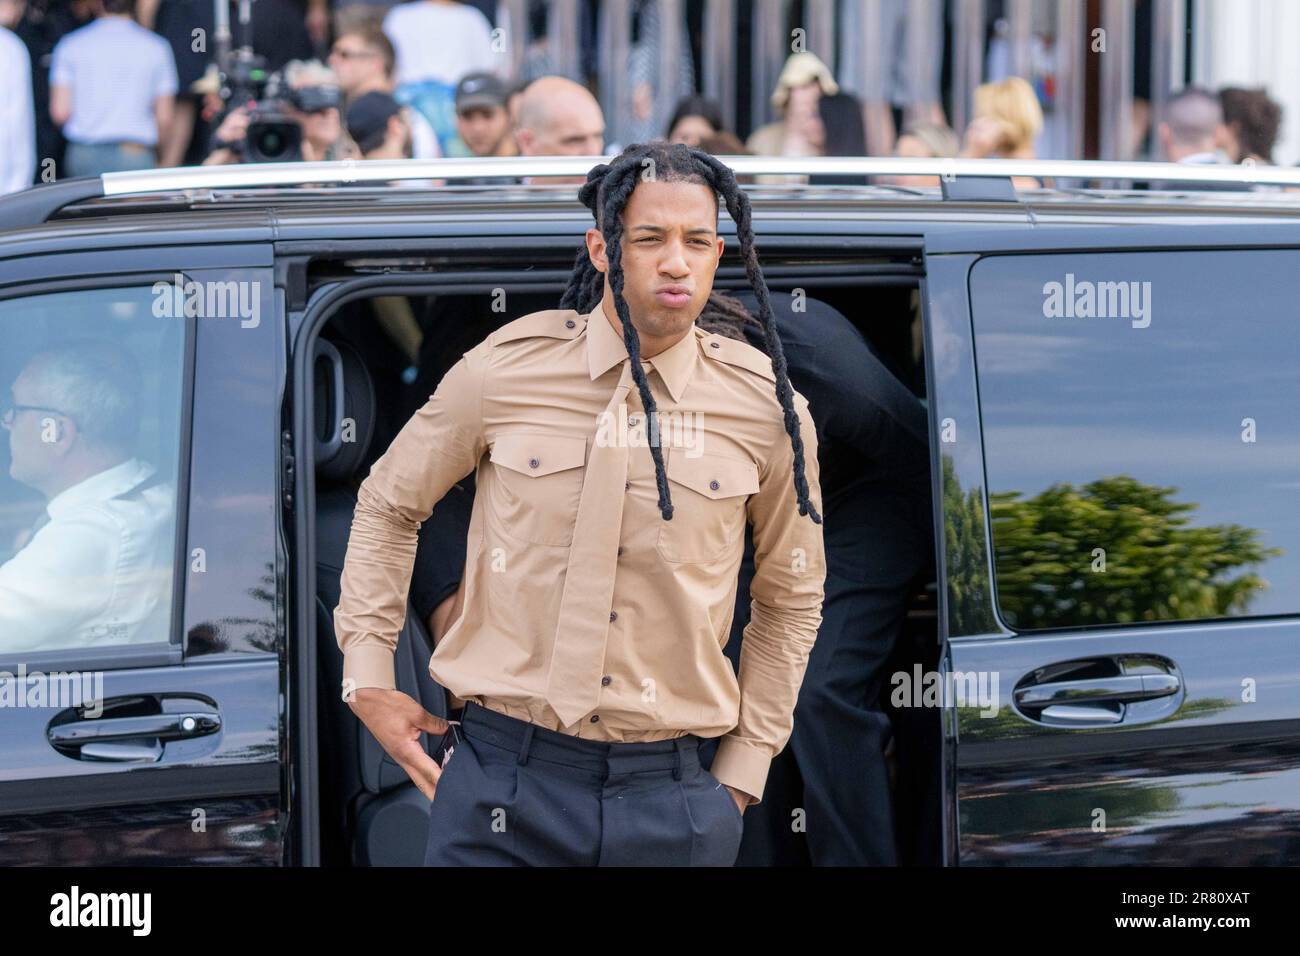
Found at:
(95, 86)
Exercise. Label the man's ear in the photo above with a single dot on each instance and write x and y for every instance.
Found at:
(63, 432)
(596, 249)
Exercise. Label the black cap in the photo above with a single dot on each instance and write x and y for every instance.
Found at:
(368, 119)
(480, 90)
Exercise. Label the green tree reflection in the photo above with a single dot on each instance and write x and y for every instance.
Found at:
(970, 608)
(1157, 567)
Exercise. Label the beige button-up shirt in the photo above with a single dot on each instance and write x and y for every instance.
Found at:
(524, 408)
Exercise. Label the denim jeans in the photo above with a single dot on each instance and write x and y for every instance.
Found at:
(91, 159)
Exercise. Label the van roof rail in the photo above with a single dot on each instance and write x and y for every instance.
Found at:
(41, 203)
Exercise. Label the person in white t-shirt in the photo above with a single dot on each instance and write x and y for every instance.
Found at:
(112, 88)
(17, 116)
(437, 42)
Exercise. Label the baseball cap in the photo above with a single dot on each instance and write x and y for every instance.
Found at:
(368, 119)
(480, 90)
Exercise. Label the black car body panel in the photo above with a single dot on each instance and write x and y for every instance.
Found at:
(1212, 778)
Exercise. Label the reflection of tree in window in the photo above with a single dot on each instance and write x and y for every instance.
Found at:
(969, 608)
(1157, 566)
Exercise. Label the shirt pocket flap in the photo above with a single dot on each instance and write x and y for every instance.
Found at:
(537, 454)
(711, 475)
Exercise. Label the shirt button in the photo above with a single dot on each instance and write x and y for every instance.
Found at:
(569, 323)
(613, 615)
(604, 681)
(631, 420)
(595, 718)
(620, 550)
(533, 462)
(714, 485)
(627, 486)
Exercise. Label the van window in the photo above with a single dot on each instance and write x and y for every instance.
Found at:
(90, 401)
(1141, 434)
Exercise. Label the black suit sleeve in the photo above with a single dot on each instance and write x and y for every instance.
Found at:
(854, 399)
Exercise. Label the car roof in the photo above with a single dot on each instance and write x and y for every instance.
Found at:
(243, 204)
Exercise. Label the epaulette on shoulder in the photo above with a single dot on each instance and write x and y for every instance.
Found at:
(721, 348)
(549, 323)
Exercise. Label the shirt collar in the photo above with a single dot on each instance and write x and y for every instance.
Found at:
(605, 349)
(102, 486)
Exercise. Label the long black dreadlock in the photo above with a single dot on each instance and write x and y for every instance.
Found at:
(606, 193)
(726, 315)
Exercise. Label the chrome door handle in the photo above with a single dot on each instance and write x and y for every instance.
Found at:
(1120, 689)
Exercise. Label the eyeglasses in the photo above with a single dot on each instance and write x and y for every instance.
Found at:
(9, 410)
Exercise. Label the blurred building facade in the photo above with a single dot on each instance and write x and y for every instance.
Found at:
(1103, 69)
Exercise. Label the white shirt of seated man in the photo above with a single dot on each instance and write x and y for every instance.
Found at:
(97, 570)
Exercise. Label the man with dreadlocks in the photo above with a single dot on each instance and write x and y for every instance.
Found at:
(619, 452)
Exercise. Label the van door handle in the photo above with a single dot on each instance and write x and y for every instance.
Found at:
(162, 726)
(1119, 689)
(132, 739)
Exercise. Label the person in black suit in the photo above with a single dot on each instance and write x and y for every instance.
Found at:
(874, 461)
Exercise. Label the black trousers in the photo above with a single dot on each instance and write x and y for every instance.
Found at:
(514, 794)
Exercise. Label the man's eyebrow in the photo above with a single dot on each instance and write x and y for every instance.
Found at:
(649, 227)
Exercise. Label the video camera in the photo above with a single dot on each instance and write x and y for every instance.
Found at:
(273, 135)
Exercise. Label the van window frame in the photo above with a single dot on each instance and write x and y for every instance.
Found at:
(155, 653)
(1082, 248)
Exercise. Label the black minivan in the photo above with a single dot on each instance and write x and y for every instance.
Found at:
(1105, 670)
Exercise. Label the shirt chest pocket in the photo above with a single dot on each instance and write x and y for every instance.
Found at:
(709, 494)
(537, 485)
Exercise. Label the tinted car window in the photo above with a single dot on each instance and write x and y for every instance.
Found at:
(90, 392)
(1141, 434)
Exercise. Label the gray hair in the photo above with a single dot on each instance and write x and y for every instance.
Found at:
(1193, 117)
(94, 383)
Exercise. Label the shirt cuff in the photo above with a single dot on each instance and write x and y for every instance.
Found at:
(743, 766)
(368, 665)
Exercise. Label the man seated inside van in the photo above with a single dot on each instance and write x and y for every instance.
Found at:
(95, 568)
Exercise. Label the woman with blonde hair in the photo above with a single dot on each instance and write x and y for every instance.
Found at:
(1007, 121)
(804, 80)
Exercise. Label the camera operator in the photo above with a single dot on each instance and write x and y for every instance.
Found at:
(298, 119)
